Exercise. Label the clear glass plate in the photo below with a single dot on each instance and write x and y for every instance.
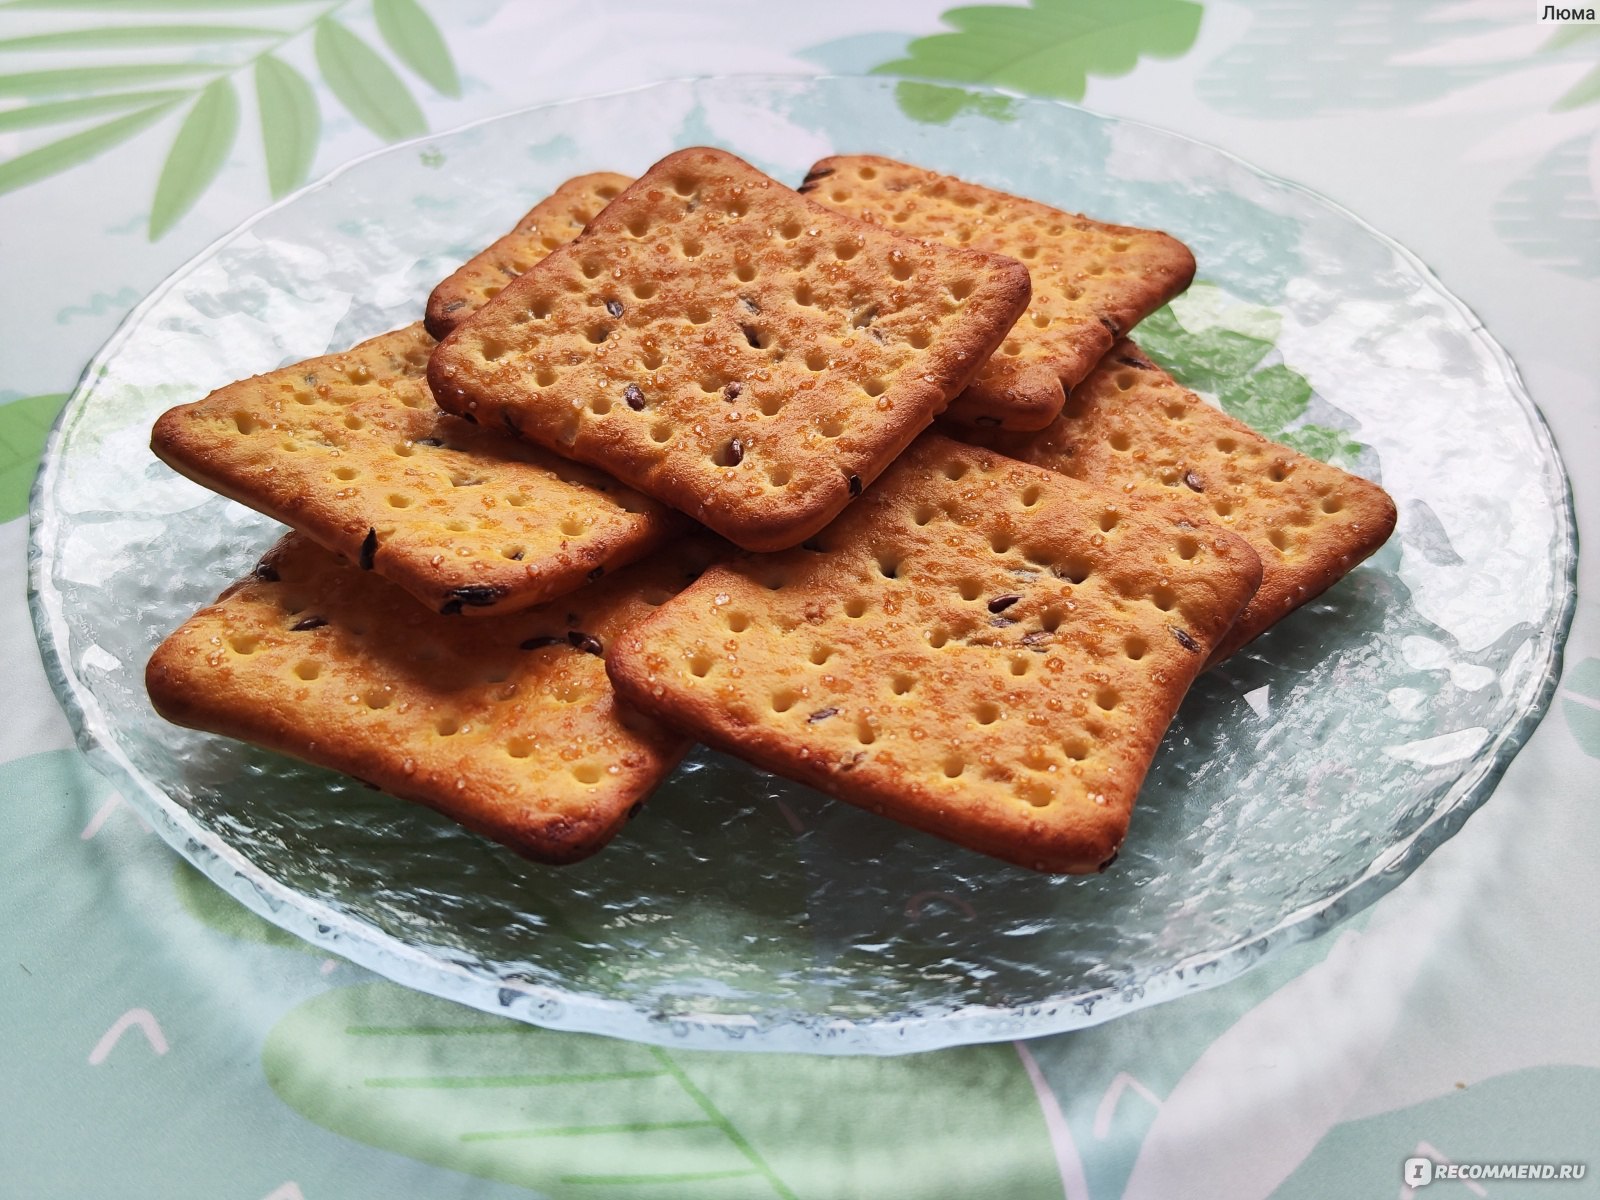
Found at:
(1300, 782)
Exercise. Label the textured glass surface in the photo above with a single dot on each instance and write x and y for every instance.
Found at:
(1300, 781)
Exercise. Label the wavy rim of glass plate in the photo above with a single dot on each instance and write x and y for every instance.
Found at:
(326, 927)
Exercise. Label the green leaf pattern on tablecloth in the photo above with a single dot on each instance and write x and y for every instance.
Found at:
(197, 154)
(290, 123)
(1587, 89)
(938, 104)
(1301, 60)
(153, 5)
(211, 906)
(1551, 214)
(36, 115)
(1400, 55)
(24, 426)
(578, 1115)
(1048, 48)
(47, 160)
(360, 78)
(1222, 356)
(365, 84)
(415, 39)
(131, 36)
(1580, 705)
(61, 80)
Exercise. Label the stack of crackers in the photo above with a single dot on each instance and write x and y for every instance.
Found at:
(660, 465)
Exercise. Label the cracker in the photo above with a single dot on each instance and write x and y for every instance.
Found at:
(1091, 281)
(351, 450)
(507, 725)
(1134, 430)
(731, 348)
(551, 223)
(979, 648)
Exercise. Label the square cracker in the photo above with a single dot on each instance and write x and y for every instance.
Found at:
(1134, 430)
(351, 450)
(729, 347)
(507, 725)
(548, 225)
(978, 648)
(1091, 281)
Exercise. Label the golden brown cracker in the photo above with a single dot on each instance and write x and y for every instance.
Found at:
(1132, 429)
(729, 347)
(551, 223)
(978, 648)
(1091, 281)
(352, 450)
(507, 725)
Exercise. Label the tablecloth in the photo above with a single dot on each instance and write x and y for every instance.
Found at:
(158, 1040)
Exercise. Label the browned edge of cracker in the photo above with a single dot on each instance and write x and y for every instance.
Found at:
(551, 223)
(486, 585)
(1083, 838)
(913, 411)
(1128, 382)
(1030, 401)
(1027, 396)
(412, 770)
